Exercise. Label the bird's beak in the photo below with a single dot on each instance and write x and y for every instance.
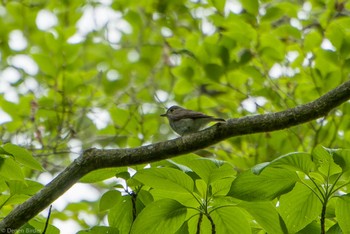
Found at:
(163, 115)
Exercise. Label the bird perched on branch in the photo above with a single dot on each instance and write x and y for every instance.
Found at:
(184, 121)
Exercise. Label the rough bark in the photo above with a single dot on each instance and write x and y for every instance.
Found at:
(93, 159)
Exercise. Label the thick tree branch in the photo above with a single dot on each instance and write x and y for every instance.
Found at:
(93, 159)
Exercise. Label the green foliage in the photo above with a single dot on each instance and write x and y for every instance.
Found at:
(104, 71)
(295, 193)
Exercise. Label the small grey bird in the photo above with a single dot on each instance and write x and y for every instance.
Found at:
(184, 121)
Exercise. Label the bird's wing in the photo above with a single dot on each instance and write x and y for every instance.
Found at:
(192, 115)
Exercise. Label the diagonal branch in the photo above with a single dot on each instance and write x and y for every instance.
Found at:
(93, 159)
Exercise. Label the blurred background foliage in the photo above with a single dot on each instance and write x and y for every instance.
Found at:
(81, 74)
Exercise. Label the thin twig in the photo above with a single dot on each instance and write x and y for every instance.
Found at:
(47, 220)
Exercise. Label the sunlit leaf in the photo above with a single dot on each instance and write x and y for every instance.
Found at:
(265, 213)
(23, 156)
(299, 208)
(324, 161)
(160, 215)
(166, 179)
(342, 212)
(230, 220)
(270, 184)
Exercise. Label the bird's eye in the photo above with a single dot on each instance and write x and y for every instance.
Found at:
(171, 110)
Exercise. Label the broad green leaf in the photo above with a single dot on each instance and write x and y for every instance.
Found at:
(211, 170)
(23, 156)
(219, 5)
(36, 226)
(27, 187)
(186, 199)
(121, 214)
(166, 179)
(45, 63)
(312, 40)
(271, 47)
(193, 224)
(100, 175)
(109, 199)
(251, 6)
(342, 158)
(10, 169)
(165, 214)
(17, 199)
(257, 169)
(3, 200)
(179, 166)
(312, 228)
(337, 31)
(324, 161)
(100, 230)
(325, 62)
(335, 229)
(202, 188)
(183, 229)
(123, 174)
(342, 211)
(293, 161)
(299, 208)
(221, 187)
(214, 71)
(143, 198)
(265, 213)
(230, 220)
(182, 86)
(270, 184)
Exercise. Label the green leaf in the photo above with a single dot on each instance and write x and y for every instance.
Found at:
(299, 208)
(10, 169)
(165, 214)
(45, 63)
(335, 229)
(214, 71)
(192, 224)
(313, 228)
(17, 199)
(100, 175)
(292, 161)
(342, 158)
(251, 6)
(230, 220)
(324, 161)
(109, 199)
(36, 226)
(202, 188)
(270, 184)
(211, 170)
(27, 187)
(337, 31)
(219, 5)
(23, 156)
(100, 230)
(258, 168)
(121, 214)
(221, 187)
(312, 40)
(179, 166)
(240, 31)
(166, 179)
(265, 213)
(123, 174)
(326, 63)
(342, 212)
(143, 198)
(224, 54)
